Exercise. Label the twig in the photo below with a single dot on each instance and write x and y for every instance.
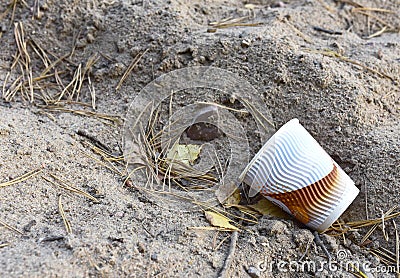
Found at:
(305, 252)
(320, 243)
(331, 32)
(94, 140)
(229, 258)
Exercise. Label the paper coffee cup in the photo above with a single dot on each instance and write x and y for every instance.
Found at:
(294, 172)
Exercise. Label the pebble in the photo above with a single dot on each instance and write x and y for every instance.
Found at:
(254, 272)
(245, 43)
(141, 247)
(154, 257)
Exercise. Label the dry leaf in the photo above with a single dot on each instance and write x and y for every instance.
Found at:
(186, 154)
(266, 207)
(218, 220)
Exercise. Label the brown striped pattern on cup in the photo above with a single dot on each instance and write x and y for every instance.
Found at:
(313, 201)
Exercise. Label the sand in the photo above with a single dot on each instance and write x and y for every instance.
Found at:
(343, 87)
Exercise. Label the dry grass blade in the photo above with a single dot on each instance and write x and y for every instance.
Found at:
(66, 186)
(134, 62)
(10, 228)
(30, 52)
(357, 272)
(63, 216)
(22, 60)
(225, 213)
(40, 52)
(22, 178)
(12, 6)
(105, 155)
(209, 228)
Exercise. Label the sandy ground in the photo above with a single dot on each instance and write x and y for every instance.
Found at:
(352, 110)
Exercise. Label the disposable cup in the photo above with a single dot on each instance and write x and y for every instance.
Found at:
(293, 171)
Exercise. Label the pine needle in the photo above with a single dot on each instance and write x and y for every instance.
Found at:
(22, 178)
(373, 228)
(66, 186)
(134, 62)
(397, 249)
(234, 22)
(334, 54)
(63, 216)
(3, 245)
(10, 227)
(113, 118)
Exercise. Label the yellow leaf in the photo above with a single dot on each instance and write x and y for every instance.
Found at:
(186, 154)
(266, 207)
(218, 220)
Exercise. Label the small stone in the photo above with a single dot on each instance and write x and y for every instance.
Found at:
(254, 272)
(245, 43)
(278, 227)
(141, 247)
(119, 214)
(154, 257)
(90, 38)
